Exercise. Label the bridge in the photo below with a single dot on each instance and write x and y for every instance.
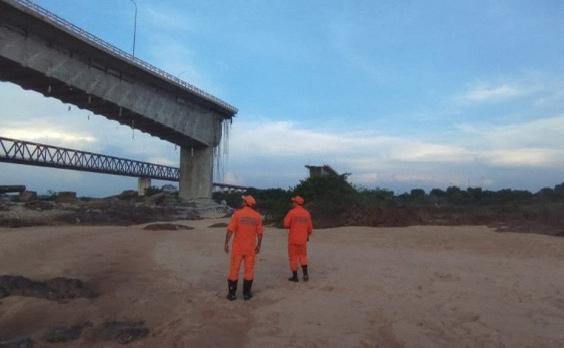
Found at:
(43, 52)
(35, 154)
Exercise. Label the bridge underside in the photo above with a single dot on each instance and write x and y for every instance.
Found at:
(30, 79)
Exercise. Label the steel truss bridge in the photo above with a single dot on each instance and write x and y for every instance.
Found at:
(42, 155)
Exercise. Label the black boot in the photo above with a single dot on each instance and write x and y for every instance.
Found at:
(247, 285)
(306, 275)
(294, 277)
(232, 289)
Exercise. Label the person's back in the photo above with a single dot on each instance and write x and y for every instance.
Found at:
(299, 225)
(298, 221)
(246, 225)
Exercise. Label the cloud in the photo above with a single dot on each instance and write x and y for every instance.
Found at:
(554, 97)
(286, 139)
(413, 178)
(167, 31)
(50, 136)
(171, 20)
(488, 93)
(258, 149)
(542, 132)
(341, 34)
(173, 57)
(525, 157)
(535, 143)
(232, 178)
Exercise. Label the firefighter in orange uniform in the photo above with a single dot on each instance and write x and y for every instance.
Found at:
(298, 221)
(246, 225)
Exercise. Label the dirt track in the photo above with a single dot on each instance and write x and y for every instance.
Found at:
(416, 286)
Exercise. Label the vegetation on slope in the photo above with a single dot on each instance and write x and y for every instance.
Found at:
(333, 201)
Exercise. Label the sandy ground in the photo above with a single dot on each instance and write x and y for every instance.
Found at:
(386, 287)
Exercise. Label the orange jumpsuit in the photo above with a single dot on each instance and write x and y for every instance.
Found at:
(298, 221)
(245, 224)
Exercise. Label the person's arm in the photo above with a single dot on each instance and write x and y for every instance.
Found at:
(259, 242)
(309, 228)
(260, 231)
(231, 228)
(288, 219)
(227, 238)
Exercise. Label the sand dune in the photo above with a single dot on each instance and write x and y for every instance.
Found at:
(412, 287)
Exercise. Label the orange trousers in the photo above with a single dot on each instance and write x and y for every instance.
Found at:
(236, 260)
(297, 253)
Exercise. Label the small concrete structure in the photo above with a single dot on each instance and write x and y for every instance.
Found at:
(43, 52)
(316, 171)
(142, 185)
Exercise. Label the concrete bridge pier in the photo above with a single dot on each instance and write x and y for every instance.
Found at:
(142, 185)
(196, 174)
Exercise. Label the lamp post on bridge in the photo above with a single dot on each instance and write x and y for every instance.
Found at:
(134, 25)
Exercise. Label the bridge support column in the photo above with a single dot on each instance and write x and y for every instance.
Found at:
(142, 185)
(196, 173)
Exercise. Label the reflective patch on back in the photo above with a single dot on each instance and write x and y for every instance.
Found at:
(248, 220)
(300, 219)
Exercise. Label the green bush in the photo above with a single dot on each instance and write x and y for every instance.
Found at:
(152, 190)
(232, 199)
(375, 198)
(418, 196)
(328, 197)
(272, 203)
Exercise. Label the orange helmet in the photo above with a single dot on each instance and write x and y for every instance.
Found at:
(249, 200)
(298, 200)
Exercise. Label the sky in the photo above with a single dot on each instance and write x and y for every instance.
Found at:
(401, 94)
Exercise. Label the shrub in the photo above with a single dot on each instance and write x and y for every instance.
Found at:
(375, 198)
(328, 197)
(152, 190)
(417, 195)
(272, 203)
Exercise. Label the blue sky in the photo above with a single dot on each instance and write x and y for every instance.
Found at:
(402, 94)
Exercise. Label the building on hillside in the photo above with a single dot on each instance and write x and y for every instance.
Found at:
(315, 171)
